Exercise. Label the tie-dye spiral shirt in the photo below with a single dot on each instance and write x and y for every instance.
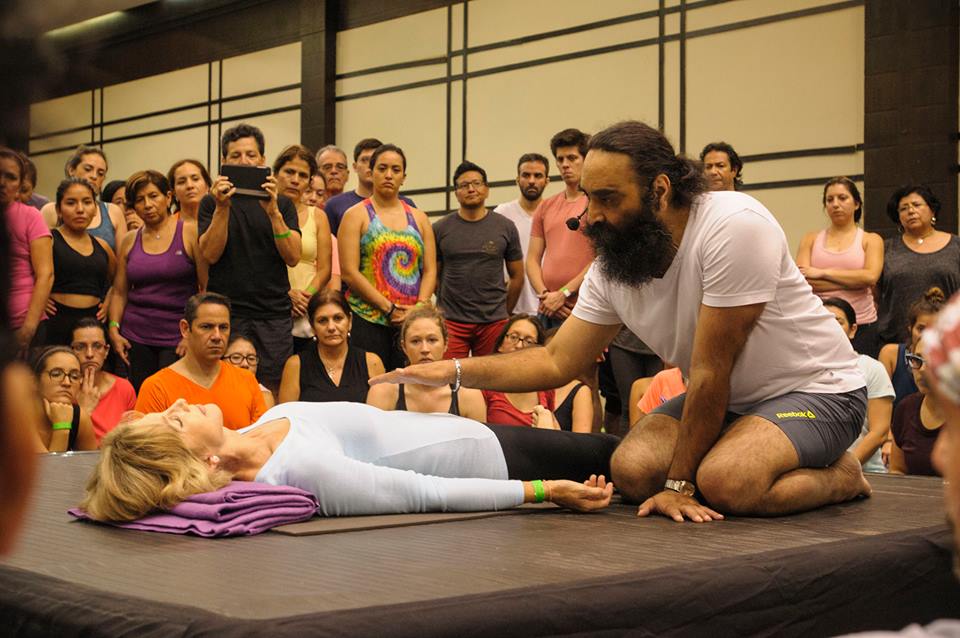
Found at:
(391, 260)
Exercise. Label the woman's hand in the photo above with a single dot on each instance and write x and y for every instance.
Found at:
(102, 312)
(544, 419)
(299, 300)
(181, 349)
(120, 345)
(550, 302)
(51, 308)
(399, 314)
(885, 452)
(89, 395)
(811, 273)
(58, 412)
(593, 494)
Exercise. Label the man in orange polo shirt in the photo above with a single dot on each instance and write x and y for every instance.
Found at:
(200, 376)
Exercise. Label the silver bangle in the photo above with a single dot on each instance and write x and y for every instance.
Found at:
(456, 383)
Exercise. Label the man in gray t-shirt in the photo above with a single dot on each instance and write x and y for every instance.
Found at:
(472, 246)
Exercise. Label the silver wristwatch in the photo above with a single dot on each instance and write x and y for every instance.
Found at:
(687, 488)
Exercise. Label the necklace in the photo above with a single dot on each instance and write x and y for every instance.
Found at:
(920, 239)
(332, 368)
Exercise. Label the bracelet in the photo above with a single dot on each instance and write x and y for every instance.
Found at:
(539, 494)
(62, 425)
(456, 384)
(393, 307)
(282, 235)
(113, 324)
(566, 292)
(311, 290)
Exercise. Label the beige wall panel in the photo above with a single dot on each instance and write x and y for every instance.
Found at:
(155, 93)
(265, 69)
(414, 37)
(236, 108)
(149, 124)
(517, 112)
(374, 81)
(740, 10)
(279, 131)
(432, 203)
(50, 172)
(456, 19)
(158, 152)
(671, 23)
(60, 141)
(497, 20)
(62, 113)
(592, 39)
(456, 65)
(413, 120)
(794, 92)
(801, 167)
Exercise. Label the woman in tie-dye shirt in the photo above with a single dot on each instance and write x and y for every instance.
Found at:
(388, 259)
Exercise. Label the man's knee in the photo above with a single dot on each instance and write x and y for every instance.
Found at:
(727, 488)
(639, 464)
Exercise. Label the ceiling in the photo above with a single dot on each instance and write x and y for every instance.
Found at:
(45, 15)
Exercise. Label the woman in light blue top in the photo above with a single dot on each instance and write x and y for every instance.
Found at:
(356, 459)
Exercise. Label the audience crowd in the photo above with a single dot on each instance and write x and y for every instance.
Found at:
(137, 292)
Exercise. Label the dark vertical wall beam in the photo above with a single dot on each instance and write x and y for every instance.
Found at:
(463, 97)
(661, 29)
(683, 76)
(910, 104)
(318, 47)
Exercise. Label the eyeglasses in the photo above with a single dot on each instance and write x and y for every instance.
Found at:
(915, 361)
(236, 359)
(57, 374)
(514, 338)
(96, 346)
(475, 184)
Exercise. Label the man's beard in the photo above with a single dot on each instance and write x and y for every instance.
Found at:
(534, 196)
(637, 250)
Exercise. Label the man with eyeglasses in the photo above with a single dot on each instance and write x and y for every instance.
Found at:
(332, 162)
(559, 253)
(201, 376)
(337, 205)
(473, 244)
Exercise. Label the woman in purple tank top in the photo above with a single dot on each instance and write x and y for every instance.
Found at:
(159, 268)
(844, 261)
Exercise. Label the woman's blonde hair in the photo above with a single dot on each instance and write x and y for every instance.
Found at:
(143, 468)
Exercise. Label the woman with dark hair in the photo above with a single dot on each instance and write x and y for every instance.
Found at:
(31, 253)
(876, 425)
(242, 353)
(89, 163)
(917, 422)
(105, 397)
(83, 265)
(388, 258)
(843, 261)
(334, 369)
(919, 258)
(537, 409)
(159, 268)
(116, 193)
(190, 181)
(294, 168)
(423, 337)
(66, 425)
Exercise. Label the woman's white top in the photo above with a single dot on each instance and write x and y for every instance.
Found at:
(358, 459)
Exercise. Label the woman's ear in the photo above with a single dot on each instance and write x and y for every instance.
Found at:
(853, 331)
(213, 462)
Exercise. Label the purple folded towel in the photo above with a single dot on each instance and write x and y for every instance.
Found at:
(242, 508)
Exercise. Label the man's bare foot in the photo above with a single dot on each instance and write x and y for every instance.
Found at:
(850, 482)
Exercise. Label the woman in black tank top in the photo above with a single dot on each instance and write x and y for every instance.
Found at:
(331, 369)
(83, 265)
(64, 425)
(423, 338)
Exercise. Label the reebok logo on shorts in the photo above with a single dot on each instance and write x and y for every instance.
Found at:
(796, 415)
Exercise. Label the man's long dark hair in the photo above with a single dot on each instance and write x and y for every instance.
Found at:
(651, 154)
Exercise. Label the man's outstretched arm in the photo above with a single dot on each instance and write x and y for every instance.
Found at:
(574, 348)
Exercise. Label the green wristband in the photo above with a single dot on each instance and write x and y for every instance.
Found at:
(62, 425)
(538, 493)
(311, 290)
(113, 324)
(282, 235)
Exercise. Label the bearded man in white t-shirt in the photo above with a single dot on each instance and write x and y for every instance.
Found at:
(774, 397)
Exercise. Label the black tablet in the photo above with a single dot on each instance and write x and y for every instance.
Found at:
(247, 179)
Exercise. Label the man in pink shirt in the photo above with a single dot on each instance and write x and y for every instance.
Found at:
(558, 255)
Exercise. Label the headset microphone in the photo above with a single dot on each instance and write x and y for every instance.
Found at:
(573, 223)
